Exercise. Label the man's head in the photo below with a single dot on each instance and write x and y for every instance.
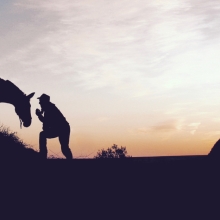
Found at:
(44, 100)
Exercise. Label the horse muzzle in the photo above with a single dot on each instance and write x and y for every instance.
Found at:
(27, 123)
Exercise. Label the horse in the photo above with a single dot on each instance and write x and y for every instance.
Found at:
(11, 94)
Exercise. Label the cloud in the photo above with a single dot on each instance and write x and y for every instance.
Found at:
(208, 16)
(73, 40)
(142, 130)
(193, 127)
(167, 126)
(163, 127)
(136, 48)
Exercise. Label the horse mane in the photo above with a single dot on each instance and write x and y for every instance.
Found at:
(14, 88)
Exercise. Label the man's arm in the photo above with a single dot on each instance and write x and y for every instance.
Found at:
(40, 116)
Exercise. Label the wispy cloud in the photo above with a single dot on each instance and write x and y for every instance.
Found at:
(129, 46)
(194, 126)
(167, 126)
(163, 127)
(170, 126)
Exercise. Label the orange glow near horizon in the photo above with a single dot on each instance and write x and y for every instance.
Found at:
(87, 137)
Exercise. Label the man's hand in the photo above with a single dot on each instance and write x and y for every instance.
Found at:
(38, 112)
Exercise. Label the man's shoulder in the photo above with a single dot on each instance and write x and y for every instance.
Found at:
(51, 105)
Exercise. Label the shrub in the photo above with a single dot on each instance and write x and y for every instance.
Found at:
(113, 152)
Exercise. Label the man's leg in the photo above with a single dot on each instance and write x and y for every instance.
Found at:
(43, 145)
(64, 142)
(43, 142)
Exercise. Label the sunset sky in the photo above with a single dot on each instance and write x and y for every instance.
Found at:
(141, 74)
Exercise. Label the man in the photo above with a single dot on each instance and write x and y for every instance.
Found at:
(54, 125)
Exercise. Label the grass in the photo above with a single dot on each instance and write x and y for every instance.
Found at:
(12, 147)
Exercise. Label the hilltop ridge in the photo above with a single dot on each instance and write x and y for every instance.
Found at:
(13, 148)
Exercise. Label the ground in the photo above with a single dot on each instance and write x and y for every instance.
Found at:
(182, 187)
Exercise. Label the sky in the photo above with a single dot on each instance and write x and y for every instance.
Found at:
(141, 74)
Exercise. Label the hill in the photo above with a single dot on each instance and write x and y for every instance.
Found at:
(12, 148)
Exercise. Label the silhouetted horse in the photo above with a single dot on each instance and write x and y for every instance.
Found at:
(9, 93)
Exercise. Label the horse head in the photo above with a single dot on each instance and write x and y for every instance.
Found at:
(23, 109)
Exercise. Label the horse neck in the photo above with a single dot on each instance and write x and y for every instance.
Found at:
(8, 94)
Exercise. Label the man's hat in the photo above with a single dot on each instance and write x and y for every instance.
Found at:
(44, 97)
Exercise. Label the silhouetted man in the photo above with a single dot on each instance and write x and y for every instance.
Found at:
(54, 125)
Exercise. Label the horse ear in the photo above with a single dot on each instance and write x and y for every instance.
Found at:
(30, 95)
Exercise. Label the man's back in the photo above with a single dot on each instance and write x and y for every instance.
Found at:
(53, 118)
